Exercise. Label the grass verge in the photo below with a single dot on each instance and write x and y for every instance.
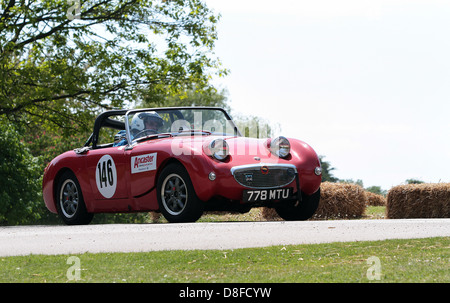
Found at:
(414, 260)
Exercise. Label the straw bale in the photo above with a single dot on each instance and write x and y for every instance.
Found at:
(337, 200)
(419, 201)
(270, 214)
(155, 216)
(341, 200)
(375, 199)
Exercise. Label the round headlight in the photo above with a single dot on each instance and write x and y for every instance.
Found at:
(219, 149)
(318, 170)
(280, 147)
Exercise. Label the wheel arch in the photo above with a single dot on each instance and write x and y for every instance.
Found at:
(56, 180)
(197, 171)
(166, 163)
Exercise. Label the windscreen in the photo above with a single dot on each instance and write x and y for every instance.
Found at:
(181, 122)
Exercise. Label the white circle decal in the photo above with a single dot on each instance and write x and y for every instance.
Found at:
(106, 176)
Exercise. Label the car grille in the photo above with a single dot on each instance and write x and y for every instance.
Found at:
(264, 176)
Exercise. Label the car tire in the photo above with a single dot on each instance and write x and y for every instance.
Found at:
(299, 210)
(177, 199)
(69, 201)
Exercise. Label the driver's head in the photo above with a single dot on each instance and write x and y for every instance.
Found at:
(146, 120)
(151, 124)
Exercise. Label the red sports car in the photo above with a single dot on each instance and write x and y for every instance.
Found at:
(180, 161)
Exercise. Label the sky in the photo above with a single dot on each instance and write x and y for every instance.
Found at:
(365, 83)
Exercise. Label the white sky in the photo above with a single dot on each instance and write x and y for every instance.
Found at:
(365, 83)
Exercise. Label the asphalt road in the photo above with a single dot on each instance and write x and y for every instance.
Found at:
(25, 240)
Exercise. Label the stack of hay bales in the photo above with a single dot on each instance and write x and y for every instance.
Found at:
(419, 201)
(337, 201)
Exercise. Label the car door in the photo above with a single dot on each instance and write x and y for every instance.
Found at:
(107, 173)
(143, 163)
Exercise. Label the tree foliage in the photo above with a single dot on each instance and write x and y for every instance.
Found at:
(327, 175)
(19, 179)
(195, 96)
(414, 181)
(377, 190)
(59, 69)
(61, 65)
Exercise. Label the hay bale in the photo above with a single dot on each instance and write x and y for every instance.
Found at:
(155, 216)
(375, 199)
(337, 201)
(419, 201)
(270, 214)
(341, 201)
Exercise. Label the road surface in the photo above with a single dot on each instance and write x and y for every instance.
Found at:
(25, 240)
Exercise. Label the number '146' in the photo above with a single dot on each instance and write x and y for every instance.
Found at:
(105, 173)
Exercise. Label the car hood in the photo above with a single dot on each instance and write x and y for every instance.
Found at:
(242, 150)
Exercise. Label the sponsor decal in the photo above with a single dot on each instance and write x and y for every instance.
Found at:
(143, 163)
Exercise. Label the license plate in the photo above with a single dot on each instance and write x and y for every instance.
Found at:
(259, 195)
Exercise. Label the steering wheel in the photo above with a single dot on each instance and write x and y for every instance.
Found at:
(145, 132)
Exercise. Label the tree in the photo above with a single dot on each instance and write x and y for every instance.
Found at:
(194, 96)
(19, 179)
(255, 127)
(59, 65)
(376, 190)
(351, 181)
(414, 181)
(327, 175)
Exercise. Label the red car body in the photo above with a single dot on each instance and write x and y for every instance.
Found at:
(134, 171)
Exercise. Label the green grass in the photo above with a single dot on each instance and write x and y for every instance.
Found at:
(414, 260)
(375, 212)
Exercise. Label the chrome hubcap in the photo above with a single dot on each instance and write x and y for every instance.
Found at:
(174, 194)
(68, 198)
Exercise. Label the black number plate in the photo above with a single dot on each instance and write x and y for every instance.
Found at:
(259, 195)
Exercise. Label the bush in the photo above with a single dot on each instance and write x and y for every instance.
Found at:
(20, 179)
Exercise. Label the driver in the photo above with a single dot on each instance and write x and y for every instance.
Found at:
(142, 124)
(150, 121)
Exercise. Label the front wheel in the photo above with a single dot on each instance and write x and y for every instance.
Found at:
(70, 202)
(299, 210)
(176, 196)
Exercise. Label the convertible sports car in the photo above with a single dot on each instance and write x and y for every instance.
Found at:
(180, 161)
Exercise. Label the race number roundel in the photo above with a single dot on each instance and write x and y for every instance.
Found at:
(106, 176)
